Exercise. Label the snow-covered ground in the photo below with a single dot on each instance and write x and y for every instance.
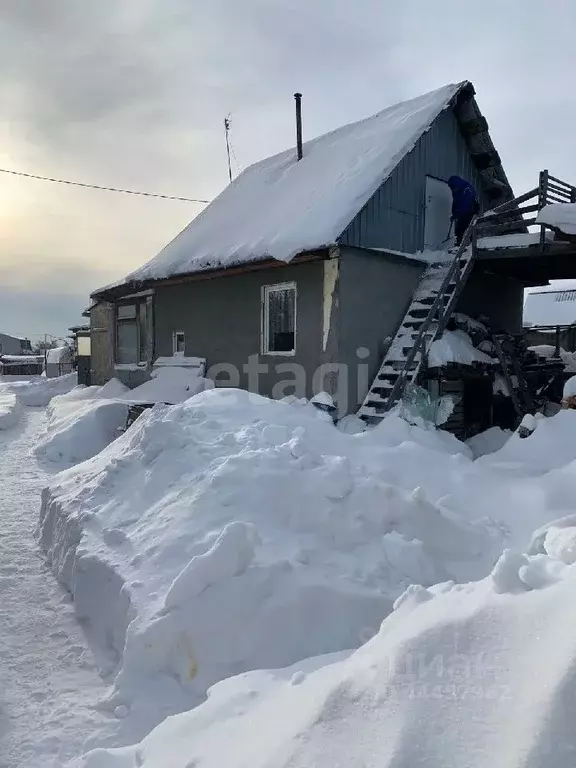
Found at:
(229, 534)
(232, 532)
(48, 676)
(472, 676)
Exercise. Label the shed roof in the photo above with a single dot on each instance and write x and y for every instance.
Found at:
(281, 207)
(547, 309)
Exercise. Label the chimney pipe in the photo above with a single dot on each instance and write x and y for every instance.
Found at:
(298, 97)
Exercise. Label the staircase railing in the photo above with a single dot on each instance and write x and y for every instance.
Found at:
(453, 275)
(516, 216)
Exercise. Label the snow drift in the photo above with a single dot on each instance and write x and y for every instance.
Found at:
(38, 391)
(9, 409)
(448, 681)
(81, 423)
(232, 532)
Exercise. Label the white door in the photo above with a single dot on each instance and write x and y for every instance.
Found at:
(437, 214)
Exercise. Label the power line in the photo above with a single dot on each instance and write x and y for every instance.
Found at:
(104, 189)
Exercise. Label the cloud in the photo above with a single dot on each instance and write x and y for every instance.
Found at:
(133, 94)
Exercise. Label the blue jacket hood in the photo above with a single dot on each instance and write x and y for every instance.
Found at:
(455, 182)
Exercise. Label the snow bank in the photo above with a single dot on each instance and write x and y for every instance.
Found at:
(456, 347)
(81, 428)
(449, 680)
(232, 532)
(561, 216)
(490, 441)
(9, 409)
(81, 422)
(38, 391)
(169, 385)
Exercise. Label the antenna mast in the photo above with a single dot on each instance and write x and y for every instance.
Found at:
(227, 122)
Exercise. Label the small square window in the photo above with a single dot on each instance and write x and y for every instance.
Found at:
(279, 319)
(178, 343)
(126, 311)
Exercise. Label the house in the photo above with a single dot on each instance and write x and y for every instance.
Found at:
(14, 345)
(321, 268)
(80, 337)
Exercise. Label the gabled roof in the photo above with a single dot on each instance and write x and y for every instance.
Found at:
(547, 309)
(281, 207)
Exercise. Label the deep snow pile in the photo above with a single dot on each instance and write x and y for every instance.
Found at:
(479, 675)
(38, 391)
(9, 409)
(81, 423)
(232, 532)
(560, 216)
(456, 347)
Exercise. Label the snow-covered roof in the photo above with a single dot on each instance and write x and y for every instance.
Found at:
(561, 216)
(58, 354)
(550, 308)
(280, 206)
(21, 359)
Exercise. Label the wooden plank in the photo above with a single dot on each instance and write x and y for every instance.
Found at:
(559, 181)
(510, 226)
(564, 191)
(493, 217)
(514, 203)
(556, 200)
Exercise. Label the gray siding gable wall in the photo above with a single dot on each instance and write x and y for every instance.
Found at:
(394, 216)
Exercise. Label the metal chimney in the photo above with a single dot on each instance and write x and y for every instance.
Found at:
(298, 97)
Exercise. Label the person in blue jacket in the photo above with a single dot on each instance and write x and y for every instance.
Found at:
(464, 205)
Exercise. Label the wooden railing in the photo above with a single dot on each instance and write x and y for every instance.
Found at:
(518, 214)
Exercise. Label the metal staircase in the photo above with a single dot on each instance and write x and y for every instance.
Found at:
(433, 303)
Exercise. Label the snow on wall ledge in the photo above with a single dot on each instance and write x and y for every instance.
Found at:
(231, 532)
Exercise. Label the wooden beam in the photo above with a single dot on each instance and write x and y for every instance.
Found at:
(474, 126)
(485, 160)
(515, 202)
(559, 181)
(504, 215)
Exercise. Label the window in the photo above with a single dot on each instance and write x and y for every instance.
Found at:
(132, 333)
(83, 346)
(178, 343)
(279, 319)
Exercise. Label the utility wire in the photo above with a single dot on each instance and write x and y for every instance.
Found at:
(105, 189)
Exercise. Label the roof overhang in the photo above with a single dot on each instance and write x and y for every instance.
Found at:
(116, 292)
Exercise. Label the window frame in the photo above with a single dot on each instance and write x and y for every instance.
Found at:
(136, 320)
(175, 352)
(265, 317)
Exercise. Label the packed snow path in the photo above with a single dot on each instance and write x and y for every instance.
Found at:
(48, 677)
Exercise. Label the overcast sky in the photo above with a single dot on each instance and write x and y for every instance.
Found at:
(133, 93)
